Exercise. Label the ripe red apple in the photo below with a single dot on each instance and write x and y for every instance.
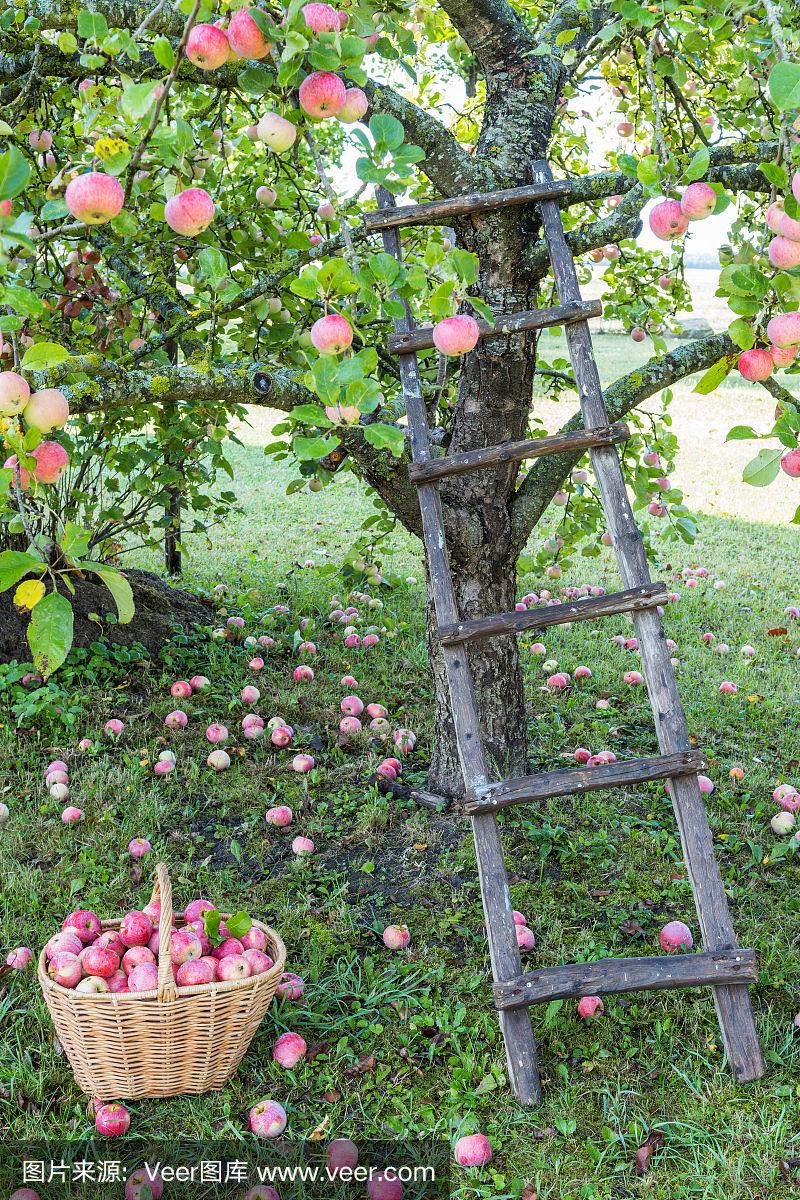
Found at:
(51, 461)
(698, 201)
(207, 47)
(456, 335)
(331, 334)
(475, 1150)
(94, 197)
(322, 94)
(84, 923)
(244, 36)
(755, 364)
(321, 18)
(354, 107)
(46, 410)
(668, 221)
(135, 929)
(189, 212)
(15, 394)
(99, 960)
(112, 1120)
(784, 253)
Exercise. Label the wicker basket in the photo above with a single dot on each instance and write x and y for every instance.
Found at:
(167, 1042)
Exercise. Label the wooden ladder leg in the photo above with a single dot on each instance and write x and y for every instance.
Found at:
(521, 1056)
(732, 1001)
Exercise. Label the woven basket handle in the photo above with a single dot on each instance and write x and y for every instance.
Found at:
(162, 891)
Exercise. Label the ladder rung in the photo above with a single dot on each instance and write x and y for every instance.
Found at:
(631, 600)
(538, 318)
(574, 780)
(505, 452)
(627, 975)
(439, 212)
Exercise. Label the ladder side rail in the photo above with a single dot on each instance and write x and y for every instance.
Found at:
(732, 1001)
(521, 1053)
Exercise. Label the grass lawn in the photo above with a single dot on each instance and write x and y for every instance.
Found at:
(406, 1044)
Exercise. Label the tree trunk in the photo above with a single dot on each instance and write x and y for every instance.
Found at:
(494, 402)
(498, 682)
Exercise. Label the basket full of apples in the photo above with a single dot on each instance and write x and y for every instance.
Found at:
(151, 1005)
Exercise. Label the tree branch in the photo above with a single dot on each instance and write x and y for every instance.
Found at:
(120, 14)
(232, 386)
(626, 393)
(493, 30)
(622, 222)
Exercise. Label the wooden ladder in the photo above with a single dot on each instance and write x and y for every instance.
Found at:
(722, 965)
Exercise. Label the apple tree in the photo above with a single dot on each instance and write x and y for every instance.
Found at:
(180, 236)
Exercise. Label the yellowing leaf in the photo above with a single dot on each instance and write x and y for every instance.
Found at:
(28, 594)
(319, 1133)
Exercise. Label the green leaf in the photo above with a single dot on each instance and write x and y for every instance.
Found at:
(699, 164)
(387, 129)
(238, 925)
(212, 265)
(775, 174)
(327, 383)
(92, 25)
(211, 920)
(22, 300)
(648, 171)
(119, 587)
(67, 43)
(15, 171)
(742, 333)
(741, 433)
(760, 471)
(255, 81)
(384, 267)
(53, 210)
(125, 224)
(14, 565)
(385, 437)
(783, 85)
(714, 377)
(137, 99)
(75, 540)
(163, 53)
(310, 449)
(309, 414)
(43, 355)
(50, 633)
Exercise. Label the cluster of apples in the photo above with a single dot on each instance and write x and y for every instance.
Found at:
(787, 798)
(125, 960)
(95, 197)
(43, 412)
(670, 219)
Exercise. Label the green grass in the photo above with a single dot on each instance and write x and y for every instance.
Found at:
(410, 1046)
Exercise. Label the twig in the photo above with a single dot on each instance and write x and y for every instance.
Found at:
(658, 128)
(49, 235)
(151, 16)
(151, 128)
(681, 101)
(331, 194)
